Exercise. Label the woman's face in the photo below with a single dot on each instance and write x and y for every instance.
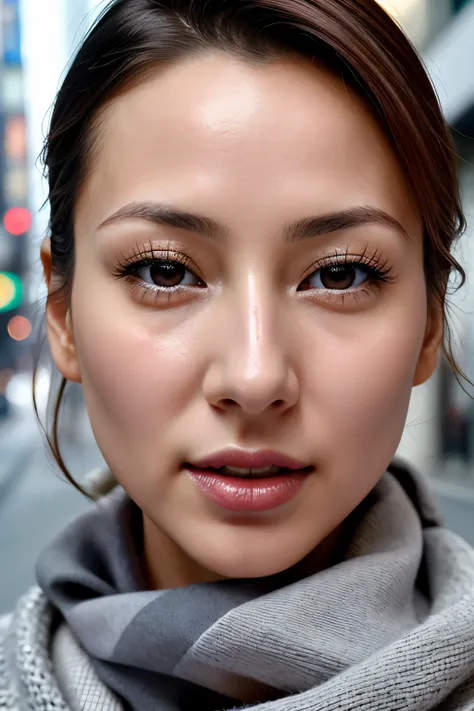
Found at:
(288, 315)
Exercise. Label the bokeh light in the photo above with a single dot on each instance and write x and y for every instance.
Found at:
(11, 291)
(15, 137)
(17, 220)
(7, 290)
(19, 328)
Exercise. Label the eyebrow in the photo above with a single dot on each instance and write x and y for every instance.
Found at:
(162, 214)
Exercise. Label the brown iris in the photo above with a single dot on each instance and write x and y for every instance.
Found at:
(167, 274)
(338, 276)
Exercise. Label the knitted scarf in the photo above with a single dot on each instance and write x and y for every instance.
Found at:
(390, 626)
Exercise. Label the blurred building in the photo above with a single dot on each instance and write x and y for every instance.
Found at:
(44, 62)
(15, 215)
(30, 70)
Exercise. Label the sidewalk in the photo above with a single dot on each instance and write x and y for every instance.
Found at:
(453, 488)
(19, 438)
(458, 516)
(36, 505)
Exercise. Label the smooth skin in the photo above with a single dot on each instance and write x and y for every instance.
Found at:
(256, 348)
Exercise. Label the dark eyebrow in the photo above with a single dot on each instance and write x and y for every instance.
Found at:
(340, 220)
(162, 214)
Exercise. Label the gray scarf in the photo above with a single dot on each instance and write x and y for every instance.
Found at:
(389, 627)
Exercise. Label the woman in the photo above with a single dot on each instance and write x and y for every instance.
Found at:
(253, 206)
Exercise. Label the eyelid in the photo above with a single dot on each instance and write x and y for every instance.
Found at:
(348, 257)
(370, 259)
(141, 257)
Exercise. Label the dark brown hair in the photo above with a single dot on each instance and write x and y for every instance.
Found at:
(355, 39)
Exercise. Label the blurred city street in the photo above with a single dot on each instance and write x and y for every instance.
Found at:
(35, 503)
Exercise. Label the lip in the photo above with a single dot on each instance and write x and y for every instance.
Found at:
(249, 495)
(250, 459)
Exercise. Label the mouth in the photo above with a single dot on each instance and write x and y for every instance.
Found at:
(249, 472)
(254, 463)
(246, 481)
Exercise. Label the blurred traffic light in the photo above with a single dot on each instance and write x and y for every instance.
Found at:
(11, 291)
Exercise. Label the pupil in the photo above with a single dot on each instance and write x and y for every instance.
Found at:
(167, 273)
(338, 276)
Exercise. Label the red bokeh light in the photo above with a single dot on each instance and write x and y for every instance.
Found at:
(17, 220)
(19, 328)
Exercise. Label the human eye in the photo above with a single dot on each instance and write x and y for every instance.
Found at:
(154, 274)
(347, 274)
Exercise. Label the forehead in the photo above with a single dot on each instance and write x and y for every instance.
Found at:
(215, 129)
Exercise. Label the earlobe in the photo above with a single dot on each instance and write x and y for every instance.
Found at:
(59, 324)
(429, 355)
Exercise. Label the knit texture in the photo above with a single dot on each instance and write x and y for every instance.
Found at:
(44, 670)
(390, 627)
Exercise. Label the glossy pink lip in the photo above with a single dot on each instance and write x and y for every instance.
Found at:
(249, 494)
(245, 459)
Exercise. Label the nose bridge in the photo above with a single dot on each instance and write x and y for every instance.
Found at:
(257, 371)
(259, 336)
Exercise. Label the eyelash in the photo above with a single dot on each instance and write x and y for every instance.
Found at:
(128, 267)
(378, 272)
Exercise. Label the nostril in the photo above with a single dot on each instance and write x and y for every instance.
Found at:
(278, 404)
(225, 403)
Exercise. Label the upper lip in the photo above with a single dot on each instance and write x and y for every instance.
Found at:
(249, 459)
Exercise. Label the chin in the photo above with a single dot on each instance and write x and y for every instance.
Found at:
(250, 561)
(236, 569)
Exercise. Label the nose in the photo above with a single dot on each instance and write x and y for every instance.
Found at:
(252, 370)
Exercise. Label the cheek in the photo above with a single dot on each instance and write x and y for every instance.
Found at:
(370, 365)
(135, 379)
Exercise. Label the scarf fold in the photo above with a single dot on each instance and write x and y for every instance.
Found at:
(391, 626)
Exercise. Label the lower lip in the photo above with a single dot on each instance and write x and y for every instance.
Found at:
(239, 494)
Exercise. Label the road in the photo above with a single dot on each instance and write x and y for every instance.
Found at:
(35, 503)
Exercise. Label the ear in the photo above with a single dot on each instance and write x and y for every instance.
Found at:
(429, 354)
(58, 321)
